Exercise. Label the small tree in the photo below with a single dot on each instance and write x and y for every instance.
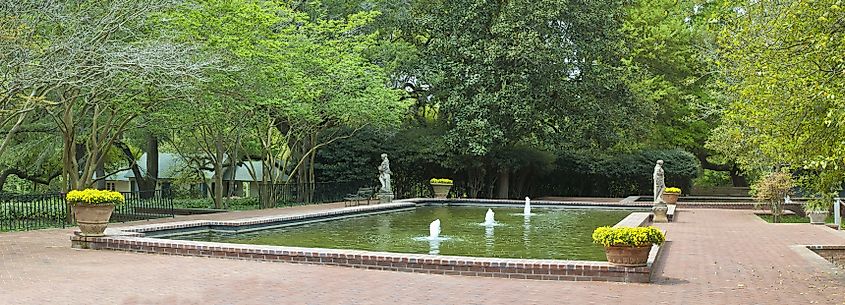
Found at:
(771, 191)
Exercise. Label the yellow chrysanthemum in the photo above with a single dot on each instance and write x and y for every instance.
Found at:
(92, 196)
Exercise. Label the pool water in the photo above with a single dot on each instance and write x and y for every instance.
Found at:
(546, 234)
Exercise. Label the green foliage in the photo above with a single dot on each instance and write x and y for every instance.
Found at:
(668, 66)
(823, 203)
(628, 236)
(249, 203)
(618, 175)
(782, 62)
(791, 218)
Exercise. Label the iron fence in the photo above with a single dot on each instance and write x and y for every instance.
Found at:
(20, 212)
(275, 195)
(32, 211)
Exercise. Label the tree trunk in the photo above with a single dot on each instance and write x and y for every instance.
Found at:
(150, 180)
(101, 175)
(218, 173)
(503, 185)
(737, 179)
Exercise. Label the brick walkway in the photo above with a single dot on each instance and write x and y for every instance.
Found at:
(712, 257)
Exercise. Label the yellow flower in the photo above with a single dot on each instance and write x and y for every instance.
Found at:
(672, 190)
(92, 196)
(440, 180)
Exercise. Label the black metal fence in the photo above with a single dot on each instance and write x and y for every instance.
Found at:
(19, 212)
(275, 195)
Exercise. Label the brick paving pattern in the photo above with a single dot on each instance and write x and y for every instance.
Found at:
(712, 257)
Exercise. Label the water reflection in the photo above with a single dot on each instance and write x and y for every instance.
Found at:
(526, 229)
(488, 239)
(434, 246)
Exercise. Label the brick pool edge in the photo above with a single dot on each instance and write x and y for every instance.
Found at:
(131, 239)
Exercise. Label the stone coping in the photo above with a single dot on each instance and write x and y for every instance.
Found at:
(539, 203)
(132, 239)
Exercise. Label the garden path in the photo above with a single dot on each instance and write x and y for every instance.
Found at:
(712, 257)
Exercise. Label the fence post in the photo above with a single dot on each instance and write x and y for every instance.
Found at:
(837, 216)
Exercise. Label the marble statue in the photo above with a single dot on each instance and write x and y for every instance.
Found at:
(384, 174)
(659, 182)
(660, 209)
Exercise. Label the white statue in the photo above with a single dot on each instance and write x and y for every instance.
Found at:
(659, 182)
(384, 174)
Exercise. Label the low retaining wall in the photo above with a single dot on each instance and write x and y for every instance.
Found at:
(132, 239)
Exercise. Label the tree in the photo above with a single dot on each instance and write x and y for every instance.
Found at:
(541, 73)
(783, 63)
(301, 82)
(99, 68)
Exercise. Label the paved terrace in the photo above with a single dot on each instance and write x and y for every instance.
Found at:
(713, 256)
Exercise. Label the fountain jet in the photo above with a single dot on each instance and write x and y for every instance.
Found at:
(490, 218)
(434, 229)
(527, 209)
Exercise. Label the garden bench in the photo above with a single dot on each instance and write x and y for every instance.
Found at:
(364, 193)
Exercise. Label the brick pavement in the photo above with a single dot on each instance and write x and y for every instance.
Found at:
(712, 257)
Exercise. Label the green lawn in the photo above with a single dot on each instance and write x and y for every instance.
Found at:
(793, 218)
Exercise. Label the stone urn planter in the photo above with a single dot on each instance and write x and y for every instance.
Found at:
(670, 195)
(92, 209)
(628, 256)
(817, 217)
(441, 190)
(628, 246)
(92, 219)
(441, 187)
(670, 198)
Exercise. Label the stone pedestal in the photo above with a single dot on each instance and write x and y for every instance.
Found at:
(385, 197)
(659, 211)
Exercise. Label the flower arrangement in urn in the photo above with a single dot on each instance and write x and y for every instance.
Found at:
(670, 195)
(817, 209)
(92, 209)
(441, 186)
(628, 246)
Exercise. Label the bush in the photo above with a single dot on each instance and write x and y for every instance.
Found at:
(628, 236)
(619, 175)
(249, 203)
(771, 191)
(821, 204)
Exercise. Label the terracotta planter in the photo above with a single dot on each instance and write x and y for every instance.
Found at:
(627, 256)
(441, 189)
(670, 198)
(92, 219)
(817, 217)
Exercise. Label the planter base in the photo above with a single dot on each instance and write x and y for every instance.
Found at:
(817, 218)
(441, 190)
(385, 197)
(660, 213)
(92, 219)
(628, 256)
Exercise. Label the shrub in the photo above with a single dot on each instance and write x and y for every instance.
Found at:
(821, 204)
(94, 197)
(672, 190)
(771, 191)
(440, 180)
(628, 236)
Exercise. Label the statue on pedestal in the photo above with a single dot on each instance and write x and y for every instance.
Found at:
(659, 210)
(384, 174)
(659, 182)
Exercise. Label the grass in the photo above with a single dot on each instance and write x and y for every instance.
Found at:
(792, 218)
